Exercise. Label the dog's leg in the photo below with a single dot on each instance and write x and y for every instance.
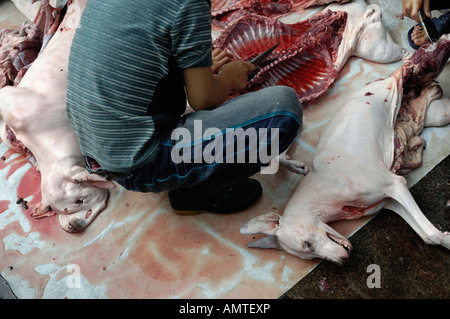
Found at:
(403, 203)
(438, 113)
(294, 166)
(5, 109)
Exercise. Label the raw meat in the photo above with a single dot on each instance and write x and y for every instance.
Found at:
(225, 11)
(18, 48)
(45, 14)
(311, 52)
(351, 174)
(299, 61)
(219, 7)
(33, 115)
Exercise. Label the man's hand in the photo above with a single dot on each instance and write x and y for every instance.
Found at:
(410, 8)
(220, 58)
(206, 90)
(236, 74)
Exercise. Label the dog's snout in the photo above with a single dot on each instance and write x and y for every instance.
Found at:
(74, 226)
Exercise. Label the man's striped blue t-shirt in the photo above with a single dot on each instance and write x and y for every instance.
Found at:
(125, 75)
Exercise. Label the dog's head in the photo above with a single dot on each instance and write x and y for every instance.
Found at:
(305, 238)
(77, 198)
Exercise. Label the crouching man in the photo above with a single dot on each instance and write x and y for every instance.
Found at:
(130, 68)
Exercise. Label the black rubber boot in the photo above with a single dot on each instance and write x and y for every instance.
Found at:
(227, 191)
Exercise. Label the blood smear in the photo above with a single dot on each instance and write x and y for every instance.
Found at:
(30, 185)
(4, 205)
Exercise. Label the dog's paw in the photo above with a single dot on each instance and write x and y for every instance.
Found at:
(294, 166)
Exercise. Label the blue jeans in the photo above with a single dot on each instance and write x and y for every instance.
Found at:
(242, 130)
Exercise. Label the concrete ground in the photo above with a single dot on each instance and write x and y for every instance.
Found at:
(5, 291)
(408, 268)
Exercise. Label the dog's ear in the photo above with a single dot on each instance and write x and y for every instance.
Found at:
(92, 180)
(267, 224)
(103, 184)
(42, 210)
(266, 242)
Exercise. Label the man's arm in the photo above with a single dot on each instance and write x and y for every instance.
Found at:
(206, 90)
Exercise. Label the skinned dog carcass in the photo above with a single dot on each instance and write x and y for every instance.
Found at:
(355, 166)
(312, 52)
(33, 120)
